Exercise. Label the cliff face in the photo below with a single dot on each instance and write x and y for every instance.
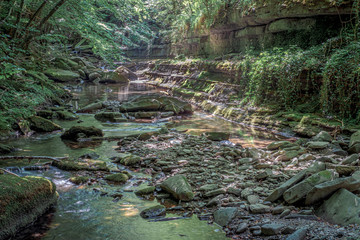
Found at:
(304, 23)
(271, 25)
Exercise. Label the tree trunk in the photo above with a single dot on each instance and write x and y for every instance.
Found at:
(18, 18)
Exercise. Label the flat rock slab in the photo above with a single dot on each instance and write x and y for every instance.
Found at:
(259, 208)
(324, 190)
(223, 216)
(301, 189)
(299, 234)
(341, 208)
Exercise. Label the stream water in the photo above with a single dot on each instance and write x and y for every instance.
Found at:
(86, 212)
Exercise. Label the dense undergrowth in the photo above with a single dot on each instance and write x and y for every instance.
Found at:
(323, 79)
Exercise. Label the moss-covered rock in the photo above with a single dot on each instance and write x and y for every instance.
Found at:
(79, 179)
(86, 165)
(113, 77)
(76, 132)
(118, 177)
(91, 107)
(109, 116)
(179, 187)
(62, 75)
(43, 125)
(145, 190)
(217, 136)
(65, 115)
(130, 160)
(22, 201)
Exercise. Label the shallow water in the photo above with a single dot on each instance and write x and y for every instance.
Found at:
(82, 213)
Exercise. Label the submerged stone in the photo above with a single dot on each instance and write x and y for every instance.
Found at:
(22, 201)
(155, 211)
(179, 187)
(217, 136)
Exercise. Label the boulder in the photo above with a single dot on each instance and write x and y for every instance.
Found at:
(109, 116)
(113, 77)
(145, 190)
(223, 216)
(179, 187)
(141, 105)
(354, 145)
(93, 76)
(325, 190)
(130, 160)
(341, 208)
(43, 125)
(88, 165)
(117, 177)
(23, 200)
(77, 132)
(91, 108)
(217, 136)
(62, 75)
(301, 189)
(124, 71)
(152, 212)
(323, 137)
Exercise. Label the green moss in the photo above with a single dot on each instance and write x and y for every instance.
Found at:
(79, 179)
(22, 201)
(88, 165)
(118, 177)
(43, 125)
(76, 132)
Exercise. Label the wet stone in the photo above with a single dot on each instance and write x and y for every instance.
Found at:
(242, 228)
(259, 208)
(223, 216)
(155, 211)
(271, 229)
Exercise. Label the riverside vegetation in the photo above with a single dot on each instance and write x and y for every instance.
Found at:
(278, 68)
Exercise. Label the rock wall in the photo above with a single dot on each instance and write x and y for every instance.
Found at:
(267, 26)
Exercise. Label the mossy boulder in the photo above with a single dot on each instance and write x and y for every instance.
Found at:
(145, 190)
(118, 177)
(79, 179)
(109, 116)
(141, 105)
(61, 75)
(354, 145)
(68, 116)
(91, 107)
(113, 77)
(22, 201)
(42, 125)
(86, 165)
(130, 160)
(124, 71)
(217, 136)
(179, 187)
(280, 145)
(77, 132)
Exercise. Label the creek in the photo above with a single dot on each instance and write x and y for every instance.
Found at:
(89, 212)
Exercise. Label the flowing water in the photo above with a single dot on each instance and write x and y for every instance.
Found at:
(88, 212)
